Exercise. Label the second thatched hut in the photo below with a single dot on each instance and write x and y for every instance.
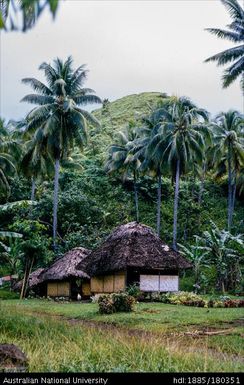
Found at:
(63, 279)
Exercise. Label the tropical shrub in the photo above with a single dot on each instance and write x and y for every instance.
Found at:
(115, 302)
(186, 298)
(134, 291)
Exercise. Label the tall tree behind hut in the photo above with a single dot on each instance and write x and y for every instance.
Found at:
(58, 120)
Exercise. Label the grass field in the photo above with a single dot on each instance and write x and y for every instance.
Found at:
(74, 337)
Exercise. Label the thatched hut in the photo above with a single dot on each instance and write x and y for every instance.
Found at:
(133, 253)
(35, 283)
(62, 277)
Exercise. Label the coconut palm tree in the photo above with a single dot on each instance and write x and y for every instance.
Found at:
(36, 163)
(152, 160)
(121, 159)
(229, 151)
(10, 150)
(180, 142)
(58, 120)
(235, 34)
(29, 10)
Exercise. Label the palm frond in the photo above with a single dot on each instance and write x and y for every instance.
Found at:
(36, 85)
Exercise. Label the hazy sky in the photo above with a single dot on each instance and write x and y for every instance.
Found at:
(128, 46)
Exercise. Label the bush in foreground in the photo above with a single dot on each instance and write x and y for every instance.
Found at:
(115, 302)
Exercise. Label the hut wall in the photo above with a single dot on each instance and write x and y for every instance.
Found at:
(86, 289)
(119, 281)
(108, 283)
(58, 289)
(158, 282)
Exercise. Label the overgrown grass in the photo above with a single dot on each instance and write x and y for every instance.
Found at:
(147, 316)
(56, 345)
(164, 340)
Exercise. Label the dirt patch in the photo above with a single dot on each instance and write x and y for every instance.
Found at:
(173, 340)
(234, 323)
(150, 311)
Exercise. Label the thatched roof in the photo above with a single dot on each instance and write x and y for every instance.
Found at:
(132, 245)
(34, 279)
(65, 267)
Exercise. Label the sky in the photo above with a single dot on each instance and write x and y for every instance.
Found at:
(128, 46)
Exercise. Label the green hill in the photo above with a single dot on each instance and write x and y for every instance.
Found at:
(92, 203)
(114, 116)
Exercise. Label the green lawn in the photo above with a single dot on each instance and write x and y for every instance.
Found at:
(62, 337)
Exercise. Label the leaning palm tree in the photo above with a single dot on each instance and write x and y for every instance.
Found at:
(58, 120)
(180, 142)
(121, 159)
(229, 151)
(235, 34)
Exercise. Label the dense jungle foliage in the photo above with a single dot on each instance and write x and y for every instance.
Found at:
(92, 202)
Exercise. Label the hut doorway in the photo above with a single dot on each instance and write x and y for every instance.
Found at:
(75, 288)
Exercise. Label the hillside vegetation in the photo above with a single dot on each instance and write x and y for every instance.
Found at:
(92, 203)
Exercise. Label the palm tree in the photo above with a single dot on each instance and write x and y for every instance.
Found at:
(58, 120)
(152, 159)
(235, 34)
(36, 163)
(229, 151)
(29, 10)
(121, 159)
(180, 142)
(9, 153)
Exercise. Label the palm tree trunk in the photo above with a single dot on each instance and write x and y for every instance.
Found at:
(229, 188)
(24, 283)
(136, 197)
(202, 183)
(33, 189)
(176, 200)
(55, 202)
(233, 198)
(159, 203)
(28, 276)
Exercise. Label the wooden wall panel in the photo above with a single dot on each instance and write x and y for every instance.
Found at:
(52, 289)
(86, 288)
(119, 281)
(63, 289)
(97, 284)
(58, 289)
(108, 284)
